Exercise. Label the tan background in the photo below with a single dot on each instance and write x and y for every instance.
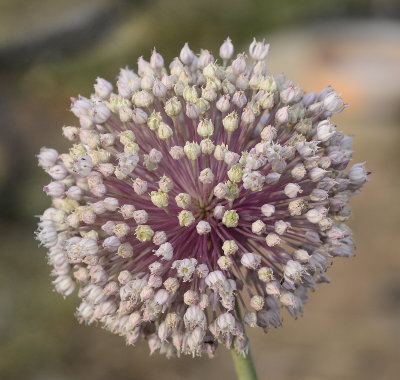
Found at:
(50, 50)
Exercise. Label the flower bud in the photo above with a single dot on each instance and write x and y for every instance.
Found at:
(239, 64)
(230, 218)
(231, 121)
(144, 233)
(159, 198)
(186, 55)
(282, 115)
(192, 150)
(205, 58)
(239, 99)
(272, 239)
(258, 50)
(156, 61)
(223, 104)
(220, 190)
(219, 212)
(292, 189)
(203, 227)
(159, 237)
(185, 218)
(258, 227)
(205, 128)
(251, 260)
(164, 131)
(226, 49)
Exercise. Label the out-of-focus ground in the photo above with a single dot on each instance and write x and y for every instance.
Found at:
(52, 50)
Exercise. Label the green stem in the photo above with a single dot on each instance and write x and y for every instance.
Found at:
(244, 366)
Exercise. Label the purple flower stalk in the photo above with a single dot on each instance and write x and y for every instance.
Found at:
(198, 199)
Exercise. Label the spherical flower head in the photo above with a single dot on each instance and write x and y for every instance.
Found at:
(194, 191)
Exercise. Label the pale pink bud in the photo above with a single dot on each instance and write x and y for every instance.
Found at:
(186, 55)
(203, 227)
(226, 49)
(258, 50)
(55, 189)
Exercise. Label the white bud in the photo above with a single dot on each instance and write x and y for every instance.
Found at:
(159, 198)
(239, 64)
(302, 255)
(257, 302)
(272, 288)
(220, 190)
(333, 102)
(206, 176)
(226, 49)
(55, 189)
(239, 99)
(194, 317)
(272, 239)
(164, 131)
(205, 128)
(176, 152)
(292, 189)
(159, 238)
(258, 50)
(192, 150)
(224, 262)
(357, 174)
(272, 178)
(140, 216)
(223, 104)
(316, 174)
(111, 243)
(156, 61)
(281, 226)
(57, 172)
(242, 82)
(185, 268)
(219, 212)
(185, 218)
(183, 200)
(204, 59)
(144, 233)
(103, 88)
(192, 110)
(142, 98)
(231, 121)
(282, 115)
(248, 116)
(203, 227)
(251, 260)
(139, 186)
(71, 133)
(298, 172)
(125, 250)
(159, 89)
(165, 184)
(165, 251)
(325, 130)
(267, 210)
(173, 107)
(186, 55)
(229, 247)
(258, 227)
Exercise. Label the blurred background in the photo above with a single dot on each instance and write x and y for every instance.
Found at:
(53, 49)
